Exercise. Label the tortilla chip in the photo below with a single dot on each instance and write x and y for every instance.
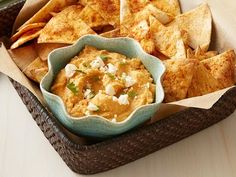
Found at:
(43, 15)
(177, 78)
(65, 27)
(169, 6)
(25, 29)
(168, 40)
(36, 70)
(44, 49)
(92, 18)
(222, 68)
(112, 33)
(198, 24)
(108, 9)
(202, 82)
(28, 36)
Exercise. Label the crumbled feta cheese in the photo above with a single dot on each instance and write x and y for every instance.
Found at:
(123, 99)
(111, 68)
(114, 98)
(129, 81)
(92, 107)
(148, 85)
(70, 70)
(110, 90)
(97, 63)
(113, 120)
(123, 75)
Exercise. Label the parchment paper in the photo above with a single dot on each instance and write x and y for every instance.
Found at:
(223, 38)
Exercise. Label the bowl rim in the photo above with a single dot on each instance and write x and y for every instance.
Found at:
(62, 105)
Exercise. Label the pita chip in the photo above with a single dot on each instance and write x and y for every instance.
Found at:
(108, 9)
(168, 40)
(36, 70)
(177, 78)
(43, 15)
(222, 68)
(200, 54)
(169, 6)
(202, 82)
(112, 33)
(92, 18)
(28, 36)
(198, 25)
(26, 28)
(44, 49)
(66, 27)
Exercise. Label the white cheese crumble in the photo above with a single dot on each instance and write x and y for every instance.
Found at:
(148, 85)
(113, 120)
(114, 98)
(92, 107)
(110, 90)
(70, 70)
(87, 113)
(123, 99)
(97, 63)
(88, 94)
(111, 68)
(129, 81)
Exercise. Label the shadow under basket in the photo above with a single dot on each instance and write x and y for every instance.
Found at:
(93, 157)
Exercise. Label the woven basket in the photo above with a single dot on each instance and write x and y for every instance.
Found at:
(101, 156)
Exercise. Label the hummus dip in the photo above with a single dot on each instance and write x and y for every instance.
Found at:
(98, 82)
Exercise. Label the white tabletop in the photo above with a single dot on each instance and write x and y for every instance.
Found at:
(25, 152)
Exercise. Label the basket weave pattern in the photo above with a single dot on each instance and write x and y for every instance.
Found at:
(109, 154)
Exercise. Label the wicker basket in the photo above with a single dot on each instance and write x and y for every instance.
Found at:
(93, 157)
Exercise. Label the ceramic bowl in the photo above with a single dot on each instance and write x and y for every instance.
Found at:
(97, 126)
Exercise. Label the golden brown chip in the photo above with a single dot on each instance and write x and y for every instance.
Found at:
(177, 78)
(200, 54)
(108, 9)
(222, 68)
(92, 18)
(130, 19)
(198, 24)
(43, 15)
(65, 27)
(112, 33)
(26, 28)
(36, 70)
(28, 36)
(202, 82)
(169, 6)
(168, 40)
(44, 49)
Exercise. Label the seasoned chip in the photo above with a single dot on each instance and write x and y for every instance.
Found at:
(169, 6)
(29, 35)
(202, 82)
(177, 78)
(108, 9)
(130, 19)
(112, 33)
(92, 18)
(36, 70)
(44, 14)
(44, 49)
(198, 24)
(200, 54)
(222, 68)
(26, 28)
(168, 40)
(65, 27)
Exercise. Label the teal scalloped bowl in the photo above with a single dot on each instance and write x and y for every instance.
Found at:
(97, 126)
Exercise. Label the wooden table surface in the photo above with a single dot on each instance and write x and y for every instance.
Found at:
(25, 152)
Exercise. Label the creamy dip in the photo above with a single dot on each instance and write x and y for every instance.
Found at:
(98, 82)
